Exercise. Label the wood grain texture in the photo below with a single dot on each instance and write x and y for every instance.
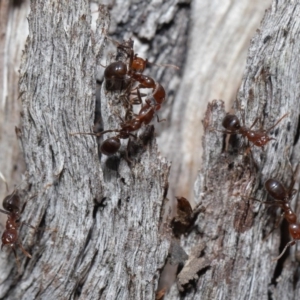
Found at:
(219, 36)
(110, 241)
(14, 31)
(87, 250)
(231, 231)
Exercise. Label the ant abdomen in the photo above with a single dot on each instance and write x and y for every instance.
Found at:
(276, 189)
(231, 123)
(116, 69)
(9, 237)
(110, 146)
(115, 76)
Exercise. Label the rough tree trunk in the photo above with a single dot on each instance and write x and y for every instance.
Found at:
(228, 256)
(14, 31)
(108, 240)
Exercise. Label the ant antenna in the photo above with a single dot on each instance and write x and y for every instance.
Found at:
(91, 133)
(164, 65)
(285, 115)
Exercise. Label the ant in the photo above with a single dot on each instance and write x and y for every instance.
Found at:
(10, 236)
(117, 73)
(111, 145)
(258, 137)
(282, 199)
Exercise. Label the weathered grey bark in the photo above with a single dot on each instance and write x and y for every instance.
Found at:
(219, 37)
(14, 31)
(88, 252)
(228, 256)
(114, 246)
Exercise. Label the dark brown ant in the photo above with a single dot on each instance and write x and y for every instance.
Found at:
(10, 236)
(111, 145)
(117, 73)
(282, 199)
(158, 92)
(118, 76)
(258, 137)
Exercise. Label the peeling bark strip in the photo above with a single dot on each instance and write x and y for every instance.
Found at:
(108, 215)
(230, 229)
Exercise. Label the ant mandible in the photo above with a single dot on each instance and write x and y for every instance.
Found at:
(258, 137)
(282, 199)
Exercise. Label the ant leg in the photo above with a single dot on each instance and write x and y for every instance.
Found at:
(292, 191)
(273, 202)
(158, 120)
(138, 98)
(38, 229)
(23, 250)
(17, 259)
(211, 129)
(92, 133)
(253, 123)
(278, 221)
(126, 48)
(28, 225)
(4, 211)
(128, 160)
(133, 135)
(285, 115)
(290, 243)
(23, 206)
(248, 150)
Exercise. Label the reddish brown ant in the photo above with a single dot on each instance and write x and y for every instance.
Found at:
(258, 137)
(10, 236)
(117, 76)
(117, 73)
(111, 145)
(282, 199)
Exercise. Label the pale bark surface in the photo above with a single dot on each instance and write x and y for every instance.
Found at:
(110, 241)
(228, 256)
(104, 237)
(13, 34)
(219, 36)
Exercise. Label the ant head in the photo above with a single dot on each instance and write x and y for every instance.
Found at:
(276, 189)
(110, 146)
(138, 64)
(116, 69)
(231, 123)
(11, 202)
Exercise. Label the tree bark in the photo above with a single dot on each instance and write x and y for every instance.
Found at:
(107, 239)
(14, 31)
(102, 223)
(230, 251)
